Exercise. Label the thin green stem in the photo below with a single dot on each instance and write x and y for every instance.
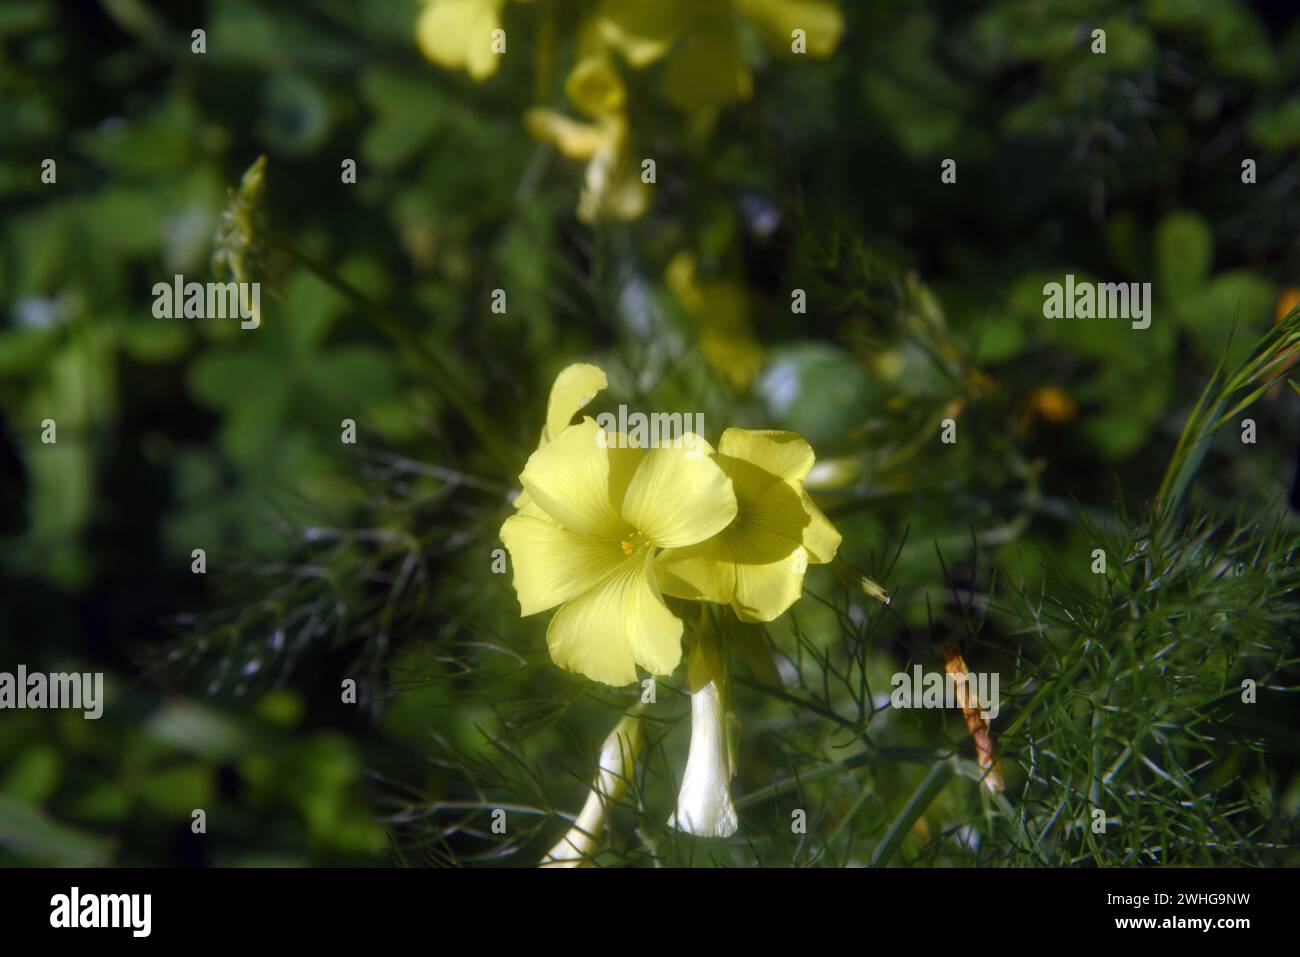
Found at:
(921, 799)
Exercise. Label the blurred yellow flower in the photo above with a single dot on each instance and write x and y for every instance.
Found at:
(1053, 404)
(612, 184)
(587, 542)
(706, 66)
(757, 563)
(722, 310)
(461, 35)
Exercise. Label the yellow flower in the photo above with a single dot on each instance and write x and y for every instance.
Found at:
(721, 309)
(587, 542)
(612, 185)
(706, 66)
(1053, 404)
(458, 34)
(617, 757)
(757, 563)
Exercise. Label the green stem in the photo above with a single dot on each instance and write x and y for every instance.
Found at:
(925, 793)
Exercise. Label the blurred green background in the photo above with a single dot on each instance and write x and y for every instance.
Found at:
(773, 172)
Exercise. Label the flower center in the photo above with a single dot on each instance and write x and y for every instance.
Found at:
(635, 542)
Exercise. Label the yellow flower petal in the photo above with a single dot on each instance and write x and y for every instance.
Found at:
(612, 186)
(703, 572)
(577, 141)
(643, 31)
(628, 197)
(820, 537)
(722, 310)
(574, 387)
(553, 565)
(709, 69)
(595, 88)
(576, 482)
(604, 633)
(777, 20)
(678, 497)
(765, 590)
(457, 34)
(757, 565)
(786, 455)
(654, 634)
(680, 277)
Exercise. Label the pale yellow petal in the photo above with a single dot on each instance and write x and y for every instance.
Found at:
(577, 141)
(764, 591)
(481, 60)
(612, 187)
(703, 572)
(820, 537)
(708, 69)
(654, 634)
(595, 87)
(553, 565)
(457, 34)
(644, 31)
(678, 497)
(786, 455)
(605, 632)
(629, 196)
(576, 479)
(574, 387)
(821, 23)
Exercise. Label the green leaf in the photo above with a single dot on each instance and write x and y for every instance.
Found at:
(352, 374)
(222, 379)
(34, 774)
(1238, 296)
(1184, 250)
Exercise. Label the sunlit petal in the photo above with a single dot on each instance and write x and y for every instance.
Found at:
(457, 34)
(574, 387)
(786, 455)
(820, 537)
(765, 591)
(576, 479)
(777, 20)
(605, 632)
(703, 572)
(577, 141)
(678, 497)
(552, 564)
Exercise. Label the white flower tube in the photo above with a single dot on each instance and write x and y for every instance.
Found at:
(617, 759)
(704, 805)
